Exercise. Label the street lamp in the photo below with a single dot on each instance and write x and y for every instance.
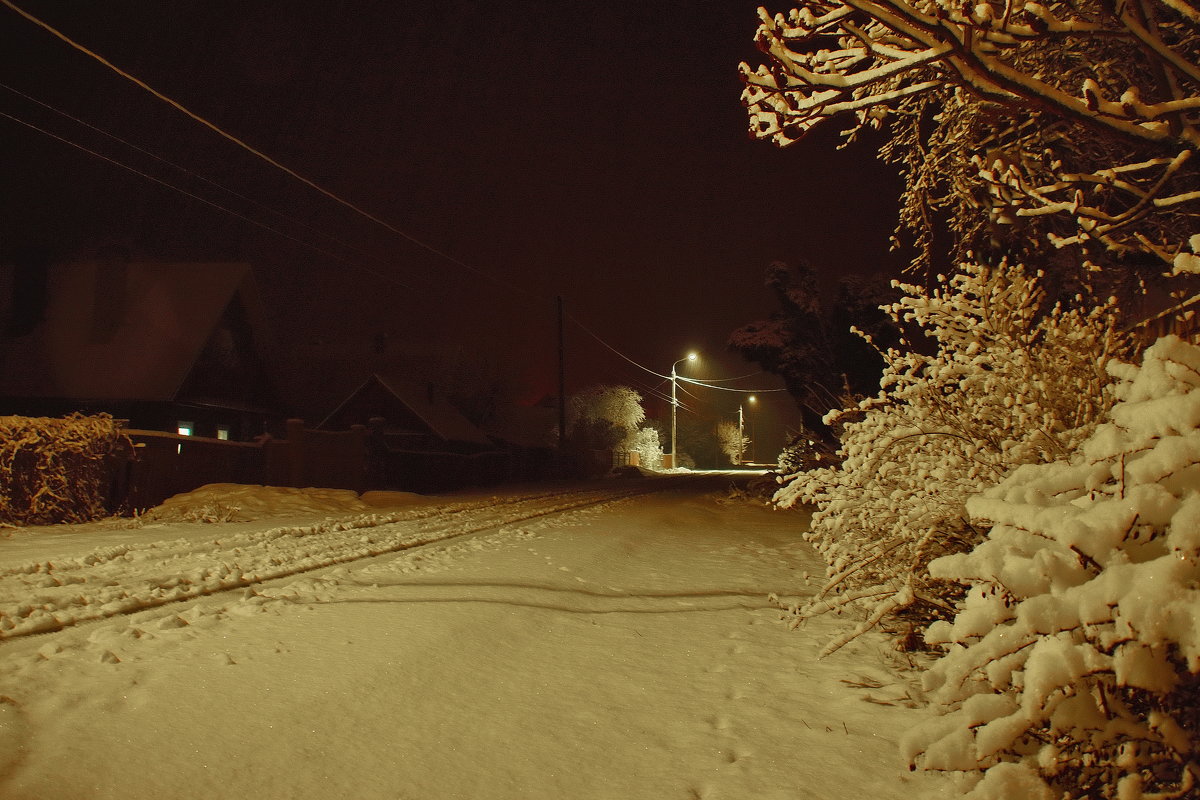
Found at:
(675, 405)
(742, 430)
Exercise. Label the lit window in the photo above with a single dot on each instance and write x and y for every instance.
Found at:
(184, 428)
(223, 432)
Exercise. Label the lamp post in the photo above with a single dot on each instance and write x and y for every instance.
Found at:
(674, 406)
(742, 430)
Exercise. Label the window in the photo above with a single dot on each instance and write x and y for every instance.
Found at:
(184, 428)
(223, 432)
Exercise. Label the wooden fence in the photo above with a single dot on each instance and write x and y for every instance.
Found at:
(167, 464)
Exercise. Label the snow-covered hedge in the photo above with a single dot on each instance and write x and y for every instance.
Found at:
(1074, 665)
(54, 470)
(1008, 384)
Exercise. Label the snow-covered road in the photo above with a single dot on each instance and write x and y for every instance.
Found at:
(50, 593)
(614, 642)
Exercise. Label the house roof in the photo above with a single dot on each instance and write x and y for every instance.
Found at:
(156, 322)
(443, 419)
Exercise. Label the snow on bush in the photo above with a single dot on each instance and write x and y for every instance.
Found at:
(1074, 665)
(56, 470)
(1010, 383)
(647, 443)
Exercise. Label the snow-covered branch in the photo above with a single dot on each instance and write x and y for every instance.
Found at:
(1074, 661)
(1109, 86)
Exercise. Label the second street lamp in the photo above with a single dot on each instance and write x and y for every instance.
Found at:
(675, 406)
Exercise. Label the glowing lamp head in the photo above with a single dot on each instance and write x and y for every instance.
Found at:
(692, 356)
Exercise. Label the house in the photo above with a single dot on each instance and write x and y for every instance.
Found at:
(411, 416)
(417, 441)
(168, 346)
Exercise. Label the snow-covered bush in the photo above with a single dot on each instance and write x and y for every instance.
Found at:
(55, 470)
(804, 451)
(1074, 665)
(647, 443)
(731, 441)
(1010, 383)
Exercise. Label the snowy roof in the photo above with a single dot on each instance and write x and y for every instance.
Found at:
(132, 333)
(434, 411)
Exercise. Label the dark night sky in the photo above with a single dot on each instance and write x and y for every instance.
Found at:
(597, 151)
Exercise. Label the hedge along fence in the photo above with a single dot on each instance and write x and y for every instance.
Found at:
(57, 470)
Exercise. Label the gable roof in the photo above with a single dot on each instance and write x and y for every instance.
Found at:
(134, 340)
(439, 416)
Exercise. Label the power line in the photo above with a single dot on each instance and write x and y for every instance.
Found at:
(709, 385)
(189, 172)
(192, 173)
(258, 153)
(589, 331)
(197, 197)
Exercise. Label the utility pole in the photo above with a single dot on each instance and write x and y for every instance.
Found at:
(562, 381)
(741, 444)
(674, 406)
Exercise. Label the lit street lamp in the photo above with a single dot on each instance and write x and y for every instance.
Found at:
(675, 405)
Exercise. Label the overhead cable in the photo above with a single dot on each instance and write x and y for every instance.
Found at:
(206, 201)
(192, 173)
(256, 152)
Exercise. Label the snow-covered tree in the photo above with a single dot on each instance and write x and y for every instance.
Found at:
(1073, 667)
(1076, 117)
(604, 417)
(1010, 383)
(731, 441)
(792, 342)
(647, 443)
(808, 342)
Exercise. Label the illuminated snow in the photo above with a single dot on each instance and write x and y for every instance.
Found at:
(622, 650)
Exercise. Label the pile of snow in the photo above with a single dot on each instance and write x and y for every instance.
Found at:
(232, 502)
(1073, 666)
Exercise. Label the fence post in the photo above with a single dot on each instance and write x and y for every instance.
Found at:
(295, 440)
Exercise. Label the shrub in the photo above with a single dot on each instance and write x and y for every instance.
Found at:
(1073, 667)
(55, 470)
(648, 445)
(1010, 383)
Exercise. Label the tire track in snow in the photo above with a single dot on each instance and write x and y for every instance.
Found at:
(42, 597)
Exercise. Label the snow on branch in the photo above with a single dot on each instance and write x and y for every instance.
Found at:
(57, 470)
(1112, 92)
(1074, 662)
(834, 56)
(1012, 383)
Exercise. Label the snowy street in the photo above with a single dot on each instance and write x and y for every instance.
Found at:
(613, 641)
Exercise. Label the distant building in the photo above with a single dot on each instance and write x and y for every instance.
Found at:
(168, 346)
(416, 440)
(413, 416)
